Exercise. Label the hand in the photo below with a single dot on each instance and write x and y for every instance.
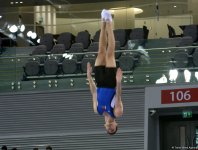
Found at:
(119, 75)
(89, 70)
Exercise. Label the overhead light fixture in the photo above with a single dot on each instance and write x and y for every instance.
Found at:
(173, 74)
(22, 28)
(174, 6)
(13, 29)
(187, 75)
(29, 33)
(163, 79)
(118, 8)
(0, 16)
(137, 11)
(38, 41)
(112, 10)
(34, 35)
(8, 26)
(196, 75)
(12, 3)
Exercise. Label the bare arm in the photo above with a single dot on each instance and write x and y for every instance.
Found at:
(118, 111)
(118, 90)
(92, 87)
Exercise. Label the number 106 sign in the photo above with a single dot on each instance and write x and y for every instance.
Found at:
(179, 96)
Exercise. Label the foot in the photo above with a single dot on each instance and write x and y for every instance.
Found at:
(103, 15)
(106, 15)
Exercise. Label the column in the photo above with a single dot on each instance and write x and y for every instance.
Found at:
(124, 18)
(192, 7)
(46, 16)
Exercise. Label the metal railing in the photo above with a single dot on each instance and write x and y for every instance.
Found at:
(149, 69)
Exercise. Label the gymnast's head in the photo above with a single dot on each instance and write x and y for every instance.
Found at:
(111, 128)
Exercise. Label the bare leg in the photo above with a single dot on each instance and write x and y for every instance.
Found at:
(110, 56)
(100, 60)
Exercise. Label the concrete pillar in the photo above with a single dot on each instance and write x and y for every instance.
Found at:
(124, 18)
(46, 16)
(192, 7)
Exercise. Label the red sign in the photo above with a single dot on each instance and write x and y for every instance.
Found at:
(179, 96)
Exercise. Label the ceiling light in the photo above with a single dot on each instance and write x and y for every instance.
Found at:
(16, 2)
(187, 75)
(163, 79)
(173, 75)
(22, 28)
(34, 35)
(29, 33)
(137, 11)
(112, 10)
(0, 17)
(118, 8)
(174, 6)
(11, 3)
(38, 41)
(8, 26)
(196, 75)
(21, 2)
(13, 29)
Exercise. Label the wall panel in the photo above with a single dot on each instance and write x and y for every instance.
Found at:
(65, 120)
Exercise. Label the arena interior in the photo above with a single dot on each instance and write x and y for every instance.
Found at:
(45, 101)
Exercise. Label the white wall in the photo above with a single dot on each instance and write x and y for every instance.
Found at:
(76, 25)
(158, 29)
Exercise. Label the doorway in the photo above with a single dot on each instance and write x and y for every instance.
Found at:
(177, 133)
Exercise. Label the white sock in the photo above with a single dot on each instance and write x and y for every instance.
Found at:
(103, 15)
(108, 16)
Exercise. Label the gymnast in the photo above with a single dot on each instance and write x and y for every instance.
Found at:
(106, 93)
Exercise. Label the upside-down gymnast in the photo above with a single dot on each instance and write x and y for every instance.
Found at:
(106, 93)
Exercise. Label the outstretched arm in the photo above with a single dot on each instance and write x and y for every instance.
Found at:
(118, 110)
(92, 87)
